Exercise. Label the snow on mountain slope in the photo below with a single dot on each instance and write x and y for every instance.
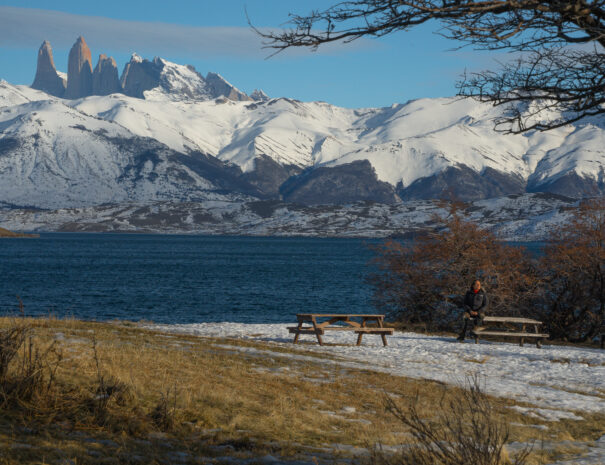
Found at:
(403, 142)
(582, 152)
(178, 82)
(163, 80)
(53, 155)
(421, 141)
(16, 95)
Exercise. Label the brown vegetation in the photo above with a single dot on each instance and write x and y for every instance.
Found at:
(573, 274)
(7, 233)
(105, 393)
(466, 430)
(423, 282)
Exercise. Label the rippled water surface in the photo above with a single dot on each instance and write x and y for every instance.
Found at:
(184, 279)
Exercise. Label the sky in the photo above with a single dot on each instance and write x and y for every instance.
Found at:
(214, 35)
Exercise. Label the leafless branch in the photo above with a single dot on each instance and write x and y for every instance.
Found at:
(568, 82)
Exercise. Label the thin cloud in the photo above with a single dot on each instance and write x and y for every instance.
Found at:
(26, 27)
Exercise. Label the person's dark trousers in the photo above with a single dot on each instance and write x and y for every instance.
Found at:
(468, 320)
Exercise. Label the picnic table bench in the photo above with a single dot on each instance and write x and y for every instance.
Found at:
(319, 323)
(504, 326)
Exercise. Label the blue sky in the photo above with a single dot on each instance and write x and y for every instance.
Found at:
(213, 35)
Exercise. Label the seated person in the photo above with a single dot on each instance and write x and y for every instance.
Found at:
(475, 305)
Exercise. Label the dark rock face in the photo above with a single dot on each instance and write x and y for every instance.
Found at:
(105, 79)
(352, 182)
(221, 88)
(140, 75)
(571, 185)
(463, 183)
(268, 175)
(79, 71)
(144, 152)
(47, 78)
(227, 178)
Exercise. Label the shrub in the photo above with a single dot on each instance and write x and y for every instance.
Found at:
(465, 431)
(26, 379)
(572, 295)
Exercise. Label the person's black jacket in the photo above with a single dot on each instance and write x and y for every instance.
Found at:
(476, 302)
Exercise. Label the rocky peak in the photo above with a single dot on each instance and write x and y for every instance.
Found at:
(140, 75)
(220, 87)
(79, 71)
(47, 79)
(105, 79)
(259, 95)
(141, 78)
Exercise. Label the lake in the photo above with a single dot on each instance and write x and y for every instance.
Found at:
(184, 279)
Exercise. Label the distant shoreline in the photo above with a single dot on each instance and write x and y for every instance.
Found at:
(9, 234)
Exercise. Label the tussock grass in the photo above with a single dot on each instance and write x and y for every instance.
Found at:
(109, 391)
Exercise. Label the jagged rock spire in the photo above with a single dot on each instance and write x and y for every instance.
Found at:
(259, 95)
(47, 78)
(79, 71)
(105, 79)
(222, 88)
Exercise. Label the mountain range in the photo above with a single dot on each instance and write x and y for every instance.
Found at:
(163, 132)
(139, 75)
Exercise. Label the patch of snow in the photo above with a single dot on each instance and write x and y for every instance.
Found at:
(508, 371)
(546, 414)
(595, 455)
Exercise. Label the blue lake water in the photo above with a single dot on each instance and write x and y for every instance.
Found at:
(184, 279)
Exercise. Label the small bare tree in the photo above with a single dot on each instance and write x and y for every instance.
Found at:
(465, 430)
(548, 73)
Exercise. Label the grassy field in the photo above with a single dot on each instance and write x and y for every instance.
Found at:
(84, 392)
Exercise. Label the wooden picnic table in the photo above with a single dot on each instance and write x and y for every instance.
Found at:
(509, 327)
(319, 323)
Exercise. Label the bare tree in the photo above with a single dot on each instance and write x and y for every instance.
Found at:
(559, 72)
(574, 275)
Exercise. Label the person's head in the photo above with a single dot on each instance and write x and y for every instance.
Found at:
(476, 285)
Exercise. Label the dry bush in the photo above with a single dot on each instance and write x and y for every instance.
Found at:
(424, 282)
(11, 340)
(164, 413)
(27, 370)
(573, 271)
(466, 430)
(106, 391)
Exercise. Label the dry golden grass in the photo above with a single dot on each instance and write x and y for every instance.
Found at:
(121, 391)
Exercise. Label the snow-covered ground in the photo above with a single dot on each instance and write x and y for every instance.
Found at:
(529, 217)
(557, 381)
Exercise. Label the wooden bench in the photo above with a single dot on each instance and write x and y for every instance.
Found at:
(501, 327)
(319, 323)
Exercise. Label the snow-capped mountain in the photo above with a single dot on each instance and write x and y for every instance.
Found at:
(180, 136)
(53, 155)
(422, 149)
(163, 80)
